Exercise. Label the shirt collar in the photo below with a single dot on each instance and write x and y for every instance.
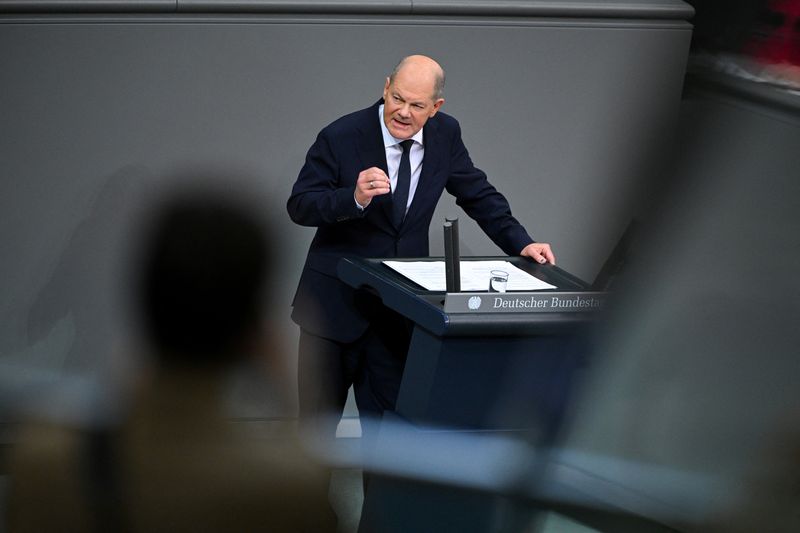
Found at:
(388, 138)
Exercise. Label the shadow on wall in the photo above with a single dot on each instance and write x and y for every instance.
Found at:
(68, 340)
(84, 285)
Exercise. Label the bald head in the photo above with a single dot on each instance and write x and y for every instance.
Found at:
(412, 95)
(422, 68)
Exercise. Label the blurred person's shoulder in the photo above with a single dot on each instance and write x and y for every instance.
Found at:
(229, 484)
(190, 466)
(48, 465)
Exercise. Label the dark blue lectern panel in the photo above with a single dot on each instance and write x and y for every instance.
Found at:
(480, 371)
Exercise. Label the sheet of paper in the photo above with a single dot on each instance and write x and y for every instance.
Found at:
(474, 275)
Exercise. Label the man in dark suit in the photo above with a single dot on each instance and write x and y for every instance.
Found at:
(370, 184)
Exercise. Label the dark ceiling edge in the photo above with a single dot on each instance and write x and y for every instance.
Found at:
(673, 10)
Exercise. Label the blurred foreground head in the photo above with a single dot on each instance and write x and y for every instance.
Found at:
(203, 262)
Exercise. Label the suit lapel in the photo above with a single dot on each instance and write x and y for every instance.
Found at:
(372, 153)
(430, 164)
(370, 141)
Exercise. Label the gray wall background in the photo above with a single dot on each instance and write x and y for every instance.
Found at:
(568, 111)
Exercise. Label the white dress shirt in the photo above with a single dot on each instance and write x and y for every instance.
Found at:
(394, 151)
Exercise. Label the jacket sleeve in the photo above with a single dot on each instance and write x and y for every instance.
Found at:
(482, 202)
(321, 195)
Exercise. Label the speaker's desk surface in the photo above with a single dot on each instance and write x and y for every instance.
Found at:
(426, 308)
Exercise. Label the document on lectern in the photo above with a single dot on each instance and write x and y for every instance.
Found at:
(474, 275)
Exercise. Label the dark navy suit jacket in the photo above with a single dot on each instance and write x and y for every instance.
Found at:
(323, 197)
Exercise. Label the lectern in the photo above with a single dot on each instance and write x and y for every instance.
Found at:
(477, 362)
(464, 365)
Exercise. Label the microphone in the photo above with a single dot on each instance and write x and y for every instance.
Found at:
(452, 257)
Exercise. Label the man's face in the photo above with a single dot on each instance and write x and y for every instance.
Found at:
(408, 104)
